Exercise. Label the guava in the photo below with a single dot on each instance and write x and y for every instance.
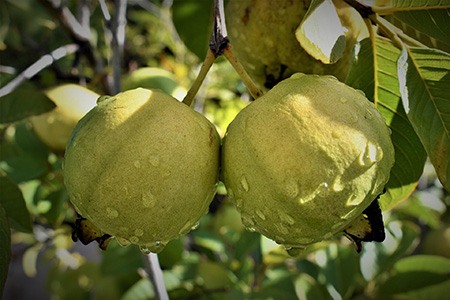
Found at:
(303, 161)
(262, 34)
(142, 167)
(72, 103)
(153, 78)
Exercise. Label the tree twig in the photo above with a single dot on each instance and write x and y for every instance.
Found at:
(118, 26)
(38, 66)
(156, 276)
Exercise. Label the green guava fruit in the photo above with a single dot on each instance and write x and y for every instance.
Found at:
(262, 34)
(72, 103)
(142, 167)
(306, 159)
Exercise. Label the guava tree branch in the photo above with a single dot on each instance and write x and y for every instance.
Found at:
(116, 26)
(38, 66)
(79, 32)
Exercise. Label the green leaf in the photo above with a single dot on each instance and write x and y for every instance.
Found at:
(307, 287)
(23, 102)
(143, 289)
(24, 156)
(5, 249)
(14, 205)
(193, 21)
(321, 33)
(424, 263)
(340, 267)
(407, 5)
(375, 73)
(215, 276)
(433, 22)
(424, 84)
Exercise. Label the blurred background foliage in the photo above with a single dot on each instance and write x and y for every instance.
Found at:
(164, 46)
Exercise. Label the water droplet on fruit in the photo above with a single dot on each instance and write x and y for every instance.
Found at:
(353, 118)
(155, 247)
(137, 164)
(368, 115)
(186, 228)
(328, 235)
(343, 100)
(335, 226)
(286, 218)
(338, 186)
(144, 250)
(247, 221)
(260, 214)
(148, 199)
(244, 183)
(123, 242)
(230, 194)
(335, 134)
(279, 239)
(111, 213)
(323, 189)
(370, 155)
(154, 160)
(294, 251)
(353, 200)
(292, 189)
(281, 228)
(239, 202)
(251, 229)
(195, 226)
(139, 232)
(134, 239)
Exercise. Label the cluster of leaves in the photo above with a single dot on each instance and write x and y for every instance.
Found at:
(406, 80)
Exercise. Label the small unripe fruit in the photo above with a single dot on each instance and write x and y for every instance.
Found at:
(143, 167)
(72, 103)
(306, 159)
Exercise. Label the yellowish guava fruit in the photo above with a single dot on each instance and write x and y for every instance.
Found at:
(143, 167)
(153, 78)
(262, 34)
(72, 103)
(305, 159)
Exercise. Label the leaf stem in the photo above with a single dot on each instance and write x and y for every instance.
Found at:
(220, 45)
(207, 63)
(156, 277)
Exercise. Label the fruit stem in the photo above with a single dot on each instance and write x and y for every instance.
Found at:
(251, 86)
(220, 44)
(207, 63)
(156, 277)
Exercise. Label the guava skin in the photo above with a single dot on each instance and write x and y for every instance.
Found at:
(143, 167)
(306, 159)
(262, 34)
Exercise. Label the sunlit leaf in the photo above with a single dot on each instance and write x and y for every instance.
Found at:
(419, 277)
(424, 84)
(321, 33)
(432, 22)
(385, 6)
(426, 263)
(5, 249)
(14, 205)
(375, 73)
(22, 103)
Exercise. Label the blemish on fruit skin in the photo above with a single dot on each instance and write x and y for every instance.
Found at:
(148, 199)
(111, 213)
(137, 164)
(260, 214)
(247, 221)
(244, 183)
(138, 232)
(154, 160)
(288, 219)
